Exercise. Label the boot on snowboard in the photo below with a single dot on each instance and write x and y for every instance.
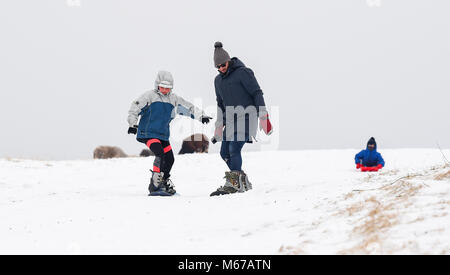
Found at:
(160, 186)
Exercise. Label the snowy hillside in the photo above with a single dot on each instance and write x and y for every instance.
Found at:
(303, 202)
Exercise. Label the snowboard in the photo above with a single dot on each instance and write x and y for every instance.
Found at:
(162, 194)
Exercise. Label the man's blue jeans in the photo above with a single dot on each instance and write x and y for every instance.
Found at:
(231, 154)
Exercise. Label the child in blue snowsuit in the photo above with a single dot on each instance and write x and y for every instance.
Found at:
(369, 160)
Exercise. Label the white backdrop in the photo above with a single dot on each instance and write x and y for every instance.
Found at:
(338, 71)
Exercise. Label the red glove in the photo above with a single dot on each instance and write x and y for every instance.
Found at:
(379, 166)
(265, 125)
(359, 165)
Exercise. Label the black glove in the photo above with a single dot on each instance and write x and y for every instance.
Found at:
(205, 119)
(214, 140)
(132, 130)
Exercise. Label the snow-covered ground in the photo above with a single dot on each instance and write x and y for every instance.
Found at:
(303, 202)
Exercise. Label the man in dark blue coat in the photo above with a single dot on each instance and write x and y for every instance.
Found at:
(240, 104)
(369, 160)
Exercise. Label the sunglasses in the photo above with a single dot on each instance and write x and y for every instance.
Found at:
(221, 66)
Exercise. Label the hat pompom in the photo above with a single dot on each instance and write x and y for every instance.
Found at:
(218, 45)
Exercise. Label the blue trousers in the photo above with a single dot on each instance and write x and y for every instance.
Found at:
(231, 154)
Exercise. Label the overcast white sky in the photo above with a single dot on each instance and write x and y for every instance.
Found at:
(340, 71)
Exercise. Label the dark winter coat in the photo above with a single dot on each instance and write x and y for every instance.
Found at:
(369, 158)
(239, 87)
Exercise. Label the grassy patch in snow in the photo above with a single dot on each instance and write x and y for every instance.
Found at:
(384, 209)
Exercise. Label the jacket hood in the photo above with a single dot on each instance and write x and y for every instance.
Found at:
(235, 64)
(372, 141)
(164, 79)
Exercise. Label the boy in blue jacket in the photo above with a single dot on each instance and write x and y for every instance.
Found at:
(157, 108)
(369, 160)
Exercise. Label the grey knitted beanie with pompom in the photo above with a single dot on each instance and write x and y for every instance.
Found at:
(220, 55)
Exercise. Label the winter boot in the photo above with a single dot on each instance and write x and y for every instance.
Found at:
(169, 186)
(157, 187)
(232, 184)
(245, 183)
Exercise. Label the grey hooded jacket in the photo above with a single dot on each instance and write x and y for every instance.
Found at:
(157, 110)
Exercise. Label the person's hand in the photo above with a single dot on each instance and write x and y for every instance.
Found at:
(218, 133)
(265, 125)
(379, 166)
(133, 130)
(205, 119)
(358, 165)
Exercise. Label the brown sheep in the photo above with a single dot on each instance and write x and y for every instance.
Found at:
(107, 152)
(146, 153)
(197, 143)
